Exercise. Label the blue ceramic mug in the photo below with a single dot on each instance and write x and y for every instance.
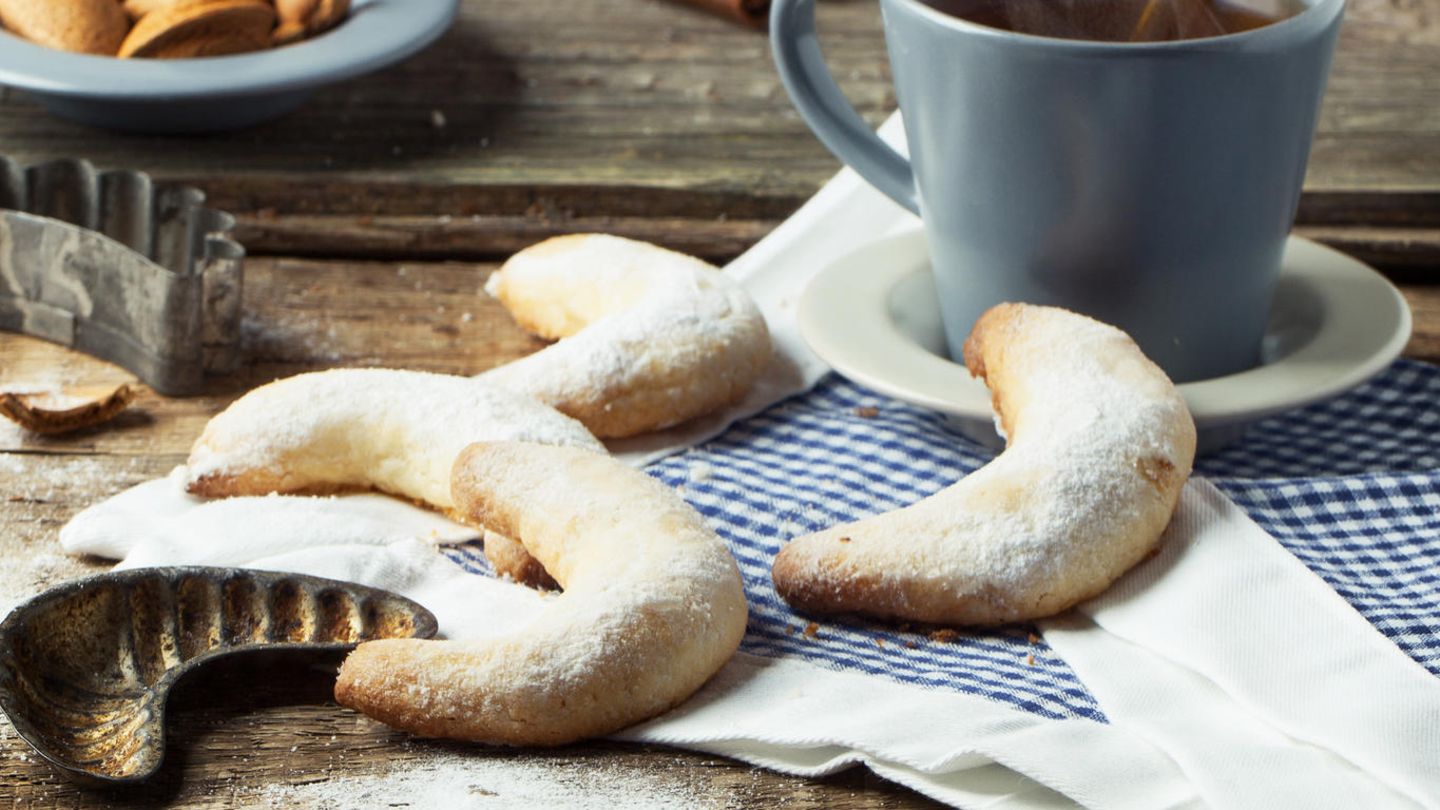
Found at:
(1149, 185)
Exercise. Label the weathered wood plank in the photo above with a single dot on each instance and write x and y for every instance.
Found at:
(304, 315)
(1424, 300)
(476, 236)
(1408, 253)
(1416, 249)
(627, 94)
(1393, 209)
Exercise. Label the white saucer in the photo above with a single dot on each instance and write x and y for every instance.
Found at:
(872, 315)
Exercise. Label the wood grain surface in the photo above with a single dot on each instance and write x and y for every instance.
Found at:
(574, 106)
(374, 214)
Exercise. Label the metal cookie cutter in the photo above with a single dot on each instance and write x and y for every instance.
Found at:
(120, 267)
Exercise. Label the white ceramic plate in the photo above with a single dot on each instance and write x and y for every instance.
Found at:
(1335, 322)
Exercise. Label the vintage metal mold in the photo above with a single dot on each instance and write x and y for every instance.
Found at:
(117, 266)
(86, 667)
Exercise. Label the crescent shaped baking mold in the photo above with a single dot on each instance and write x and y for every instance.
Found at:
(86, 667)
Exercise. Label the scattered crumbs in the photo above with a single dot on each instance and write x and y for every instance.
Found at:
(700, 471)
(467, 317)
(1029, 660)
(1032, 638)
(944, 635)
(812, 630)
(402, 271)
(880, 642)
(293, 748)
(910, 644)
(478, 780)
(867, 411)
(40, 479)
(789, 629)
(844, 539)
(438, 119)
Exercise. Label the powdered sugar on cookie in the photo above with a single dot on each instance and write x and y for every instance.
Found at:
(652, 607)
(648, 338)
(354, 429)
(1100, 444)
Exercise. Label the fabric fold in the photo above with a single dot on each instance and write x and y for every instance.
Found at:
(1221, 673)
(1226, 603)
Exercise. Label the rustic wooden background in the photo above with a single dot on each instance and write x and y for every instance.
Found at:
(374, 214)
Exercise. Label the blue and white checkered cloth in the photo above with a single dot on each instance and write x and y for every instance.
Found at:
(1351, 487)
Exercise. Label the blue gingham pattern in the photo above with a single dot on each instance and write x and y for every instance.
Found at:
(1350, 486)
(1389, 424)
(1374, 538)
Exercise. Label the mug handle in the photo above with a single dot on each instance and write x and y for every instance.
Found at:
(824, 107)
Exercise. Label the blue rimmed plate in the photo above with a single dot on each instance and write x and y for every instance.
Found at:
(221, 92)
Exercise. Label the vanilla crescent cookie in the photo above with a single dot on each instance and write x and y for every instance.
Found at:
(1100, 444)
(398, 432)
(647, 337)
(652, 607)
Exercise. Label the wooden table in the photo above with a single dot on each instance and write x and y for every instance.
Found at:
(374, 214)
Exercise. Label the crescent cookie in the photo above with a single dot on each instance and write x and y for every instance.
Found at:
(1099, 445)
(652, 607)
(648, 337)
(358, 429)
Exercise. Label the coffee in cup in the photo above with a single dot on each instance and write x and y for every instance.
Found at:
(1121, 20)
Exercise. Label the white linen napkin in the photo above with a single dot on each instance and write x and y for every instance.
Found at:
(785, 714)
(1266, 687)
(1230, 674)
(1227, 684)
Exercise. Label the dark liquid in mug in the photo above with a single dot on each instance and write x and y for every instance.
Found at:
(1121, 20)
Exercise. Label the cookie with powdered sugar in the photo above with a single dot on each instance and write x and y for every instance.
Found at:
(646, 337)
(1100, 444)
(397, 432)
(652, 607)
